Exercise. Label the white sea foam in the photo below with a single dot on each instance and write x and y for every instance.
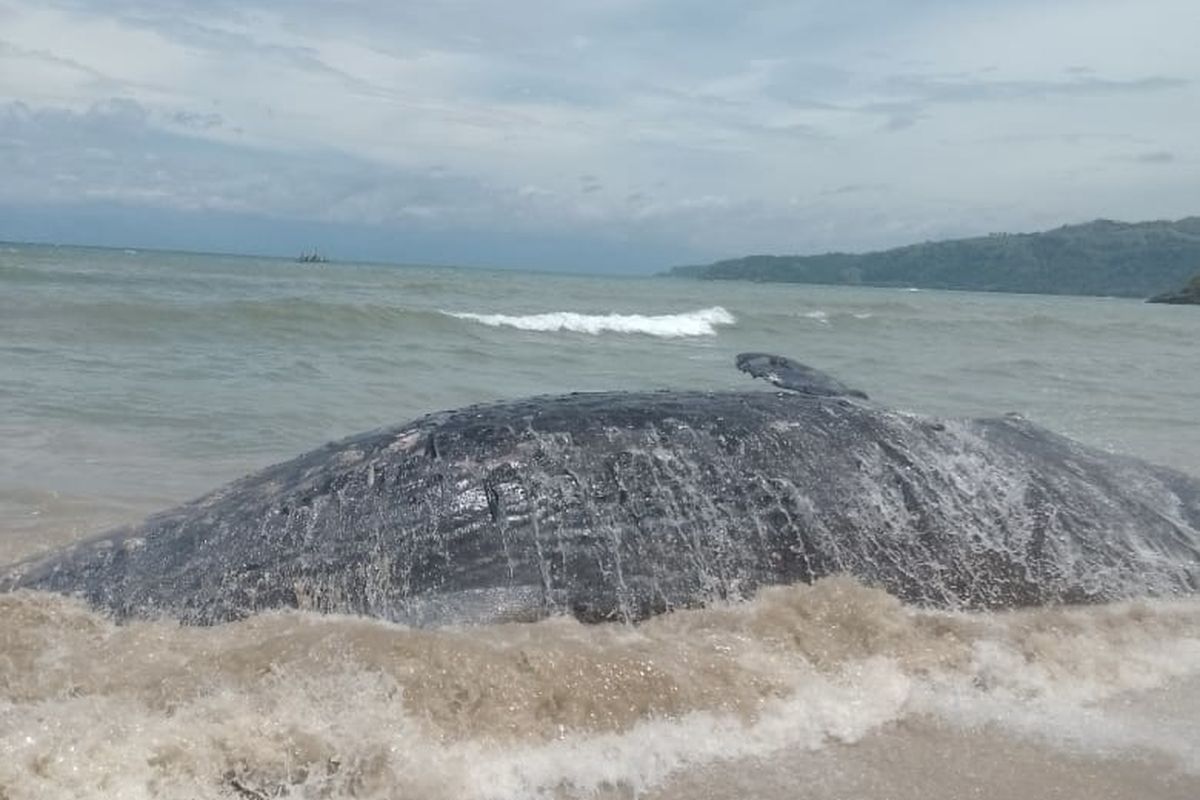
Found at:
(826, 318)
(1059, 676)
(701, 322)
(305, 706)
(819, 710)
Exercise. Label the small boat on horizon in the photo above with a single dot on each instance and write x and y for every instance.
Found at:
(311, 257)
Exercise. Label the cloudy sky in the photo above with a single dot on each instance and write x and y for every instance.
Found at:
(589, 134)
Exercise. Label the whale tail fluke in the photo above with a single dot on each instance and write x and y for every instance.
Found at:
(794, 376)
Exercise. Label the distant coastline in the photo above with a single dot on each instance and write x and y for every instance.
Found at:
(1103, 257)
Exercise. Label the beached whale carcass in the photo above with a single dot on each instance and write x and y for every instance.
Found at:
(620, 505)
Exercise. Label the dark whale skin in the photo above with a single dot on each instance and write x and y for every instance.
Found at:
(616, 506)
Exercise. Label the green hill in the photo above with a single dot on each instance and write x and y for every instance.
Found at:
(1098, 258)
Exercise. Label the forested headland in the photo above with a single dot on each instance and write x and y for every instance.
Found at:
(1103, 257)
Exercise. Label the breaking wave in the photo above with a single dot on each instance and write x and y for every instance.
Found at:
(702, 322)
(308, 706)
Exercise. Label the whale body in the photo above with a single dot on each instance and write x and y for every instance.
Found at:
(620, 505)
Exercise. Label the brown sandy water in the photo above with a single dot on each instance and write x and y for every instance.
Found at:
(833, 690)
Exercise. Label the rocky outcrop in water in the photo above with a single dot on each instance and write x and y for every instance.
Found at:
(1188, 295)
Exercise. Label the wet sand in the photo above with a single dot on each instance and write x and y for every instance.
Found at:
(923, 759)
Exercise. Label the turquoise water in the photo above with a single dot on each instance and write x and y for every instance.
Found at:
(130, 381)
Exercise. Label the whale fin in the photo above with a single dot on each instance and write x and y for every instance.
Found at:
(792, 375)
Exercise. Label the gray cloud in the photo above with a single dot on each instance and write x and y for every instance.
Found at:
(898, 115)
(855, 188)
(969, 89)
(197, 120)
(129, 158)
(765, 125)
(1155, 157)
(12, 50)
(923, 92)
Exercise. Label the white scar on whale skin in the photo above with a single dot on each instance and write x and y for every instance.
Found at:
(405, 441)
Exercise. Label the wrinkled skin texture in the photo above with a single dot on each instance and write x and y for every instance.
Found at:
(622, 505)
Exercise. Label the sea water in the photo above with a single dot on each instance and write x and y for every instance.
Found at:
(131, 381)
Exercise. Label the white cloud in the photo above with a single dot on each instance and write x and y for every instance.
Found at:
(736, 130)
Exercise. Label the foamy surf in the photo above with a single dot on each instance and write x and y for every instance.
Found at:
(702, 322)
(822, 317)
(307, 706)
